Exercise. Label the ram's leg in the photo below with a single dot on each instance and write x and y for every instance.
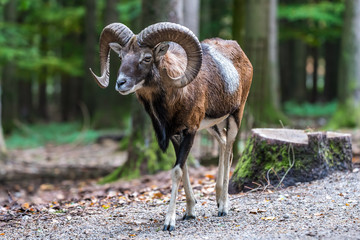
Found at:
(182, 151)
(176, 175)
(190, 198)
(218, 132)
(231, 132)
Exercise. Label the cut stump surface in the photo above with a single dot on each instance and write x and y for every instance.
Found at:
(286, 156)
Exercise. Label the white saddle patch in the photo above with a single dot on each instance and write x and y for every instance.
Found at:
(227, 70)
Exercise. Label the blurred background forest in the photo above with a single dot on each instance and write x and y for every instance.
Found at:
(305, 55)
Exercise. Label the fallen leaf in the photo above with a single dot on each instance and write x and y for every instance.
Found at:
(253, 211)
(256, 211)
(25, 205)
(47, 187)
(318, 214)
(203, 203)
(210, 176)
(158, 195)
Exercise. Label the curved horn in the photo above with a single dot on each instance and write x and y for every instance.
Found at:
(114, 32)
(173, 32)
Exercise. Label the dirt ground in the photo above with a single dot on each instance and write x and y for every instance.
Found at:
(45, 208)
(324, 209)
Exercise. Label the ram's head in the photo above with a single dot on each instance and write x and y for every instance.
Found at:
(139, 52)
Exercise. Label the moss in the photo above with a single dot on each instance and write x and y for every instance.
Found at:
(244, 166)
(333, 151)
(124, 144)
(149, 159)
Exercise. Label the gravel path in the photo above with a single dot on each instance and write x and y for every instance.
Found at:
(324, 209)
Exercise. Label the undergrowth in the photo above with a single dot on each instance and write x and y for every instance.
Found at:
(310, 109)
(36, 135)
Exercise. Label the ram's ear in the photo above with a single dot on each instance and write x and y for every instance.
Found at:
(115, 47)
(160, 49)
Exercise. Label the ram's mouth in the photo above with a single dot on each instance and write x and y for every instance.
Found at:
(132, 89)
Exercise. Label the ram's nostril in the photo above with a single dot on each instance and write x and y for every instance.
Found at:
(120, 82)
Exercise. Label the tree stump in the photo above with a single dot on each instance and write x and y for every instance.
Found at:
(284, 157)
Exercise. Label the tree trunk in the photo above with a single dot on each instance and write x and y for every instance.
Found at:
(298, 88)
(314, 92)
(42, 99)
(348, 112)
(293, 74)
(238, 27)
(205, 19)
(332, 55)
(91, 39)
(161, 10)
(273, 63)
(110, 12)
(286, 69)
(261, 35)
(25, 107)
(283, 157)
(3, 151)
(9, 84)
(191, 15)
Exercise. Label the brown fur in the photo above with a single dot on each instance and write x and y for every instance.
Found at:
(205, 96)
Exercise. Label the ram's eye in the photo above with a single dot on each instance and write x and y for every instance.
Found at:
(147, 59)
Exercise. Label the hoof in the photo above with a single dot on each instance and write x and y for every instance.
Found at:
(188, 217)
(169, 228)
(222, 214)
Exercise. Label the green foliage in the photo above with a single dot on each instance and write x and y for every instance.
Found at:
(43, 23)
(29, 136)
(345, 116)
(324, 12)
(311, 22)
(310, 109)
(129, 10)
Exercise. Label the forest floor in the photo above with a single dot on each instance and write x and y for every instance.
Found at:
(40, 207)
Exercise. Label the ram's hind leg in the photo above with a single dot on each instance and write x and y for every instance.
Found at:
(190, 198)
(225, 133)
(231, 133)
(218, 132)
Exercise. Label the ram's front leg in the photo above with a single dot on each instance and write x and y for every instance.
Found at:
(186, 143)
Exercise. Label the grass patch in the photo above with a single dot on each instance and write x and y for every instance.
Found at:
(30, 136)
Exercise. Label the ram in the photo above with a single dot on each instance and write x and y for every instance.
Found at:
(184, 86)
